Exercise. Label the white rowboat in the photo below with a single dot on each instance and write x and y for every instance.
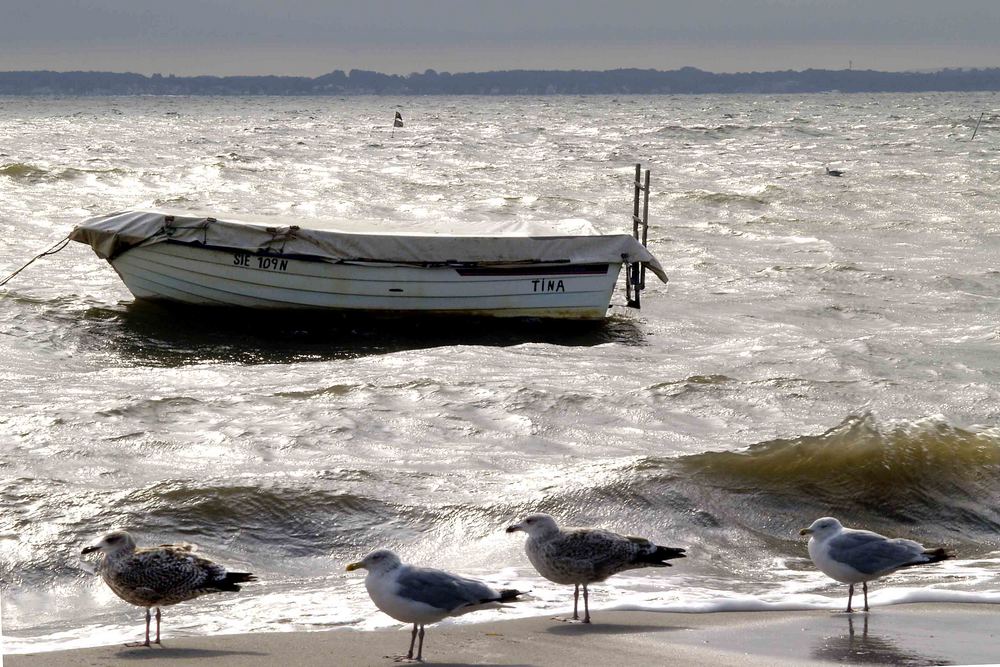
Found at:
(565, 271)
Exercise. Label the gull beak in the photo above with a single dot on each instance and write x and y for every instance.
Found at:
(806, 531)
(351, 567)
(513, 529)
(90, 549)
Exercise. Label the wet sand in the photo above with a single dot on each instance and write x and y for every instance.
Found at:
(916, 634)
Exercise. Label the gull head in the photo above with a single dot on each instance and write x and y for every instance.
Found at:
(823, 528)
(112, 544)
(379, 561)
(535, 525)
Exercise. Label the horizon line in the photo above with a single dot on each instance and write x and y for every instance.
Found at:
(925, 70)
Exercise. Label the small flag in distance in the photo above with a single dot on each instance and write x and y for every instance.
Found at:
(398, 122)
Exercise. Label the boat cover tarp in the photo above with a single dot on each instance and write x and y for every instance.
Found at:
(574, 241)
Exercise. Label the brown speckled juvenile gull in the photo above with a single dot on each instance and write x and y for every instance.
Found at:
(159, 576)
(581, 556)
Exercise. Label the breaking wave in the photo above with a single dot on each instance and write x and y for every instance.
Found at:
(927, 479)
(929, 473)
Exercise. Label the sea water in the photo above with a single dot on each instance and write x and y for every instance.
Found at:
(825, 346)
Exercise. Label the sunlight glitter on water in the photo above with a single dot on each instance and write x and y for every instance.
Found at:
(839, 320)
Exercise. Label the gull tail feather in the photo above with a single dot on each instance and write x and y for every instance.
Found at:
(509, 595)
(936, 555)
(929, 556)
(659, 556)
(232, 580)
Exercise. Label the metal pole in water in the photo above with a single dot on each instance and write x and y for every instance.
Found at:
(977, 125)
(645, 228)
(635, 204)
(635, 272)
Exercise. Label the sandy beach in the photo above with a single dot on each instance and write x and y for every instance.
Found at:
(916, 634)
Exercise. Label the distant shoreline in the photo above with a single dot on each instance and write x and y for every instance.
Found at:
(684, 81)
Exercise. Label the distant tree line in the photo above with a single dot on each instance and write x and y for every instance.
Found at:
(686, 80)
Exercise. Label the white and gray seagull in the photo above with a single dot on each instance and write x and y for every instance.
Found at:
(421, 595)
(159, 576)
(582, 556)
(859, 556)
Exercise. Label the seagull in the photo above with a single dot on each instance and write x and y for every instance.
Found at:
(159, 576)
(859, 556)
(421, 595)
(581, 556)
(834, 172)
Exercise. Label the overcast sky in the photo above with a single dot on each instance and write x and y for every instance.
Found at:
(313, 37)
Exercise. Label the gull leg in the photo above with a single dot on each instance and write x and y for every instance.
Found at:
(586, 605)
(413, 639)
(576, 606)
(157, 626)
(409, 654)
(145, 643)
(850, 596)
(864, 587)
(420, 646)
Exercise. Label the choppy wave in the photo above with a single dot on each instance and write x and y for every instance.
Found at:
(289, 444)
(942, 480)
(926, 479)
(30, 173)
(21, 171)
(932, 480)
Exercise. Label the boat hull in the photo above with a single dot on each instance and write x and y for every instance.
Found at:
(207, 276)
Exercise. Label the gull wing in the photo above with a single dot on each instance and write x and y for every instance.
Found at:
(871, 553)
(443, 590)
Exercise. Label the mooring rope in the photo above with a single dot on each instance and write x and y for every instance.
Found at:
(51, 251)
